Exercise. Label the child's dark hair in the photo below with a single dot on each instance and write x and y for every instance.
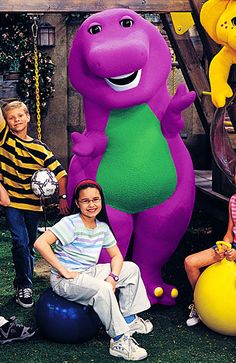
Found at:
(89, 183)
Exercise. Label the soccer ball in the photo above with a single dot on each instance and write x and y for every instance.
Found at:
(44, 183)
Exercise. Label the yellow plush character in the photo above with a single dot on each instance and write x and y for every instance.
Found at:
(218, 17)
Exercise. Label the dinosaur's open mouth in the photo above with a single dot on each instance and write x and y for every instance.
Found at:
(124, 82)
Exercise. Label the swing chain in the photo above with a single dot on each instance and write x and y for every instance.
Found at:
(174, 75)
(36, 67)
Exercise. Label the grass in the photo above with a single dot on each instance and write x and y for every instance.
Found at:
(171, 340)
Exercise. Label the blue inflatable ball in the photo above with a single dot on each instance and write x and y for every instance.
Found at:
(64, 321)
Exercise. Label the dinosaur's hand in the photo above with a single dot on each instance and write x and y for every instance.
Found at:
(218, 96)
(172, 121)
(89, 144)
(181, 100)
(82, 145)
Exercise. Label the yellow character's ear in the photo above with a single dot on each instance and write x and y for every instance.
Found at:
(225, 28)
(210, 13)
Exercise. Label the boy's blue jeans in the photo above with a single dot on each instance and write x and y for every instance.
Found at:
(23, 227)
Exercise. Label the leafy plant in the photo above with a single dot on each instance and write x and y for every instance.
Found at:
(17, 54)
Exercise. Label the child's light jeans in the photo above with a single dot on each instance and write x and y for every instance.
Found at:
(89, 288)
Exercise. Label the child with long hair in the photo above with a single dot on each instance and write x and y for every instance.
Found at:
(77, 276)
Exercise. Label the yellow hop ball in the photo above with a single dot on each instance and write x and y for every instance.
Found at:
(215, 297)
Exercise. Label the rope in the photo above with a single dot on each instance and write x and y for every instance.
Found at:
(36, 70)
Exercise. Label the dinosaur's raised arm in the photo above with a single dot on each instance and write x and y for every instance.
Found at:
(172, 122)
(89, 144)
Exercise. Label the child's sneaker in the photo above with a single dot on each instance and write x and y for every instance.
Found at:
(13, 331)
(193, 316)
(140, 326)
(126, 347)
(24, 297)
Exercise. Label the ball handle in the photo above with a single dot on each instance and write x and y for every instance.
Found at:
(219, 244)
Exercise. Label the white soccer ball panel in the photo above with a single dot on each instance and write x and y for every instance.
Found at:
(44, 183)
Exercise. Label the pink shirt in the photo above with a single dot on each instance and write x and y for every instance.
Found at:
(233, 213)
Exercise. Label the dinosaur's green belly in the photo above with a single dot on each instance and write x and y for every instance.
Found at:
(137, 171)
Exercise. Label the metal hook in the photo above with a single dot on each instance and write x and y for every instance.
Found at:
(35, 28)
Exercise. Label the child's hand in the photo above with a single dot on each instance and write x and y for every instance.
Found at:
(63, 206)
(112, 282)
(71, 274)
(1, 115)
(220, 253)
(230, 255)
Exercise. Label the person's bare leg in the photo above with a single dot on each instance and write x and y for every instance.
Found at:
(193, 263)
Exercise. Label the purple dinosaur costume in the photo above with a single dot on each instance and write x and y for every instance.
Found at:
(120, 63)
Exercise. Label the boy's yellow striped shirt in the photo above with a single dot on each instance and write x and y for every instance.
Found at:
(19, 159)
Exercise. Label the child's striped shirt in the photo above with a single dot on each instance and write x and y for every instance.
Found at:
(19, 159)
(78, 247)
(233, 213)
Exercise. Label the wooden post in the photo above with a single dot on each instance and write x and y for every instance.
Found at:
(59, 6)
(192, 70)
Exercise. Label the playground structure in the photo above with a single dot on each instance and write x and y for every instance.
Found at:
(194, 68)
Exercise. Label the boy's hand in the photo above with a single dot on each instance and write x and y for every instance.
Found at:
(63, 206)
(1, 115)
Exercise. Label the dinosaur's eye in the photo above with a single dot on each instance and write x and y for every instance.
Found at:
(126, 23)
(233, 21)
(94, 29)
